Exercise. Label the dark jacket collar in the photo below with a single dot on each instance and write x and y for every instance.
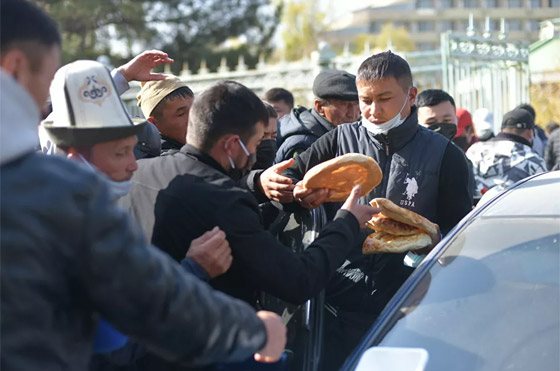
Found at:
(398, 137)
(203, 157)
(512, 138)
(321, 120)
(168, 143)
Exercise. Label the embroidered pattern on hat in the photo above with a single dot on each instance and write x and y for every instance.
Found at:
(93, 91)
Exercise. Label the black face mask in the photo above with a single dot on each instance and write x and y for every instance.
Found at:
(266, 152)
(462, 143)
(447, 130)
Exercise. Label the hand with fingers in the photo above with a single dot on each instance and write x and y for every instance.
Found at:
(140, 67)
(276, 186)
(275, 337)
(212, 252)
(362, 212)
(310, 198)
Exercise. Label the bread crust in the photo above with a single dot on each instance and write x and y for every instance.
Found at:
(398, 230)
(382, 242)
(382, 223)
(342, 173)
(390, 210)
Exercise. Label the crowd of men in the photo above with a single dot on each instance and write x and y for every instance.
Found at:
(145, 245)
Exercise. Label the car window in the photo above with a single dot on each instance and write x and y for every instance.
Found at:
(489, 302)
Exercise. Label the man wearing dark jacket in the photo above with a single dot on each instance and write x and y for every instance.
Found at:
(179, 195)
(436, 111)
(166, 104)
(336, 102)
(69, 255)
(422, 171)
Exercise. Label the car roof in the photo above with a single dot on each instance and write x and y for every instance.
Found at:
(538, 196)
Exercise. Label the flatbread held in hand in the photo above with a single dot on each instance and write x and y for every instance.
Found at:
(398, 229)
(342, 173)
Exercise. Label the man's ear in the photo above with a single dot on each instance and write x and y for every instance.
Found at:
(319, 107)
(412, 94)
(229, 143)
(153, 120)
(15, 63)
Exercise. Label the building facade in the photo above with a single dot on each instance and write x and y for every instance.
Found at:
(425, 20)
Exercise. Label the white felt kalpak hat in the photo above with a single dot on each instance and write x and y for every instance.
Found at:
(86, 107)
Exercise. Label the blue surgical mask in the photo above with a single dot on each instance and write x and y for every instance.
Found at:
(386, 126)
(117, 189)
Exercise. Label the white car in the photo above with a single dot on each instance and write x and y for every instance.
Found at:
(487, 297)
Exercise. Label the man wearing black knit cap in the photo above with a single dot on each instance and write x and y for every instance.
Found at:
(508, 157)
(336, 102)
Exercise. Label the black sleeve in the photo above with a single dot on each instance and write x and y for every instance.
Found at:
(454, 201)
(251, 182)
(549, 154)
(273, 267)
(322, 150)
(144, 293)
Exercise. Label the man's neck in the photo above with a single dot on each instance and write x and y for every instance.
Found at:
(216, 154)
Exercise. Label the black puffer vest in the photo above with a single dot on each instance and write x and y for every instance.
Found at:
(410, 157)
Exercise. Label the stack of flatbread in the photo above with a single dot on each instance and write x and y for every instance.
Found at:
(398, 229)
(342, 173)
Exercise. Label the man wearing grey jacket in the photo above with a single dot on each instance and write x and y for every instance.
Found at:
(69, 255)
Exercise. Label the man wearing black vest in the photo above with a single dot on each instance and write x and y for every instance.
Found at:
(422, 171)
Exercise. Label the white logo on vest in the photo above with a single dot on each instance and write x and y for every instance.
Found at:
(410, 191)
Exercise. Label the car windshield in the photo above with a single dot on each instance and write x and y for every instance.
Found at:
(489, 302)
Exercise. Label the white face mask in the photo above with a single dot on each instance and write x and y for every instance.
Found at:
(386, 126)
(117, 189)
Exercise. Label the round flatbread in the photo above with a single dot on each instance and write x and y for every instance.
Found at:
(342, 173)
(392, 211)
(382, 223)
(382, 242)
(398, 229)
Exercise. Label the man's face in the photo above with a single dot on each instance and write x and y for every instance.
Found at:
(115, 158)
(271, 130)
(442, 113)
(382, 99)
(339, 111)
(281, 108)
(175, 118)
(36, 81)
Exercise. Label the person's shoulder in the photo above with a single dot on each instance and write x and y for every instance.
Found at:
(57, 169)
(555, 136)
(349, 126)
(54, 177)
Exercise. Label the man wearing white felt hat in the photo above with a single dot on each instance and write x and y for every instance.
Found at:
(90, 123)
(69, 254)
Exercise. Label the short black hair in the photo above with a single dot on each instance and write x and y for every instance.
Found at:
(271, 111)
(433, 97)
(383, 66)
(527, 107)
(182, 92)
(228, 107)
(279, 94)
(25, 26)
